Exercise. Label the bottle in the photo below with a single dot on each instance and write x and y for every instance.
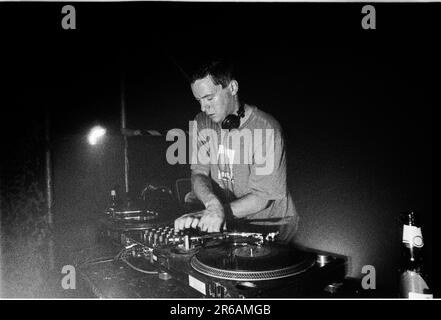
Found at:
(113, 202)
(412, 283)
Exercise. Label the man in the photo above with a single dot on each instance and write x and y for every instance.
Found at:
(244, 183)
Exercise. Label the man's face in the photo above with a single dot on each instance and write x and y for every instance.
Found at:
(216, 102)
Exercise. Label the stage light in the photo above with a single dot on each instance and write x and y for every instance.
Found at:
(95, 135)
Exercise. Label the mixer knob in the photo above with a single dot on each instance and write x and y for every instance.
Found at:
(155, 239)
(168, 237)
(187, 242)
(153, 231)
(150, 238)
(174, 239)
(161, 238)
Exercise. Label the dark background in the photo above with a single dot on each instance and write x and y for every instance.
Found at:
(355, 104)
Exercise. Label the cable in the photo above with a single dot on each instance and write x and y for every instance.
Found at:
(80, 252)
(101, 260)
(123, 259)
(97, 261)
(119, 256)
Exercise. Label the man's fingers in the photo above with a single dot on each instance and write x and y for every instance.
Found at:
(188, 221)
(215, 227)
(203, 225)
(209, 224)
(194, 223)
(205, 222)
(179, 223)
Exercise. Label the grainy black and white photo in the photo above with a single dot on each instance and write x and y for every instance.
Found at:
(226, 150)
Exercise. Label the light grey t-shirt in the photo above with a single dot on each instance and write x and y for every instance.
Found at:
(250, 159)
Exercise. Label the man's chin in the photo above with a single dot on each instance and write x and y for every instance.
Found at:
(215, 119)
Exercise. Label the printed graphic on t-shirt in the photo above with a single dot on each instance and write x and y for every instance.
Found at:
(225, 161)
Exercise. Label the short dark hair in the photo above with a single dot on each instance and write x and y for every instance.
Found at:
(221, 72)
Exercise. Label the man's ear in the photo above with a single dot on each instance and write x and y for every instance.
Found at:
(234, 87)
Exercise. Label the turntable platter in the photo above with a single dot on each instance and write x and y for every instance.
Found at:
(128, 223)
(243, 261)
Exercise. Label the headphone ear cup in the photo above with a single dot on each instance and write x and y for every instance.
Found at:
(232, 121)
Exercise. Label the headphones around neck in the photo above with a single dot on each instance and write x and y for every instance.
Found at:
(232, 121)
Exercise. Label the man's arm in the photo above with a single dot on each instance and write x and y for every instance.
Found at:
(248, 204)
(267, 181)
(240, 208)
(211, 219)
(203, 189)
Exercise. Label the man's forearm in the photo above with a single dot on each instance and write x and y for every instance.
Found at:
(248, 204)
(240, 208)
(203, 189)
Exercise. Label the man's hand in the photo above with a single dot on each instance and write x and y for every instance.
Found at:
(212, 219)
(189, 220)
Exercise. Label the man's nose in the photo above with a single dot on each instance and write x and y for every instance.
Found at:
(205, 106)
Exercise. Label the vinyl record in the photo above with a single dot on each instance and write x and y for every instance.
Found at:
(133, 223)
(135, 215)
(245, 261)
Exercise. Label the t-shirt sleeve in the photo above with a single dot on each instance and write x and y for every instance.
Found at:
(268, 171)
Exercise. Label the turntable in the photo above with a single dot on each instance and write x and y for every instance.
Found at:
(234, 266)
(250, 262)
(225, 264)
(116, 224)
(135, 216)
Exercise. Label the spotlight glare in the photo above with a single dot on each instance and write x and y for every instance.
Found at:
(95, 135)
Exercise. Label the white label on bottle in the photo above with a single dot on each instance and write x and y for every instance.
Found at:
(197, 284)
(413, 236)
(420, 296)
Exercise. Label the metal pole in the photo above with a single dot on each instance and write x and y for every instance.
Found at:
(123, 126)
(1, 242)
(49, 191)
